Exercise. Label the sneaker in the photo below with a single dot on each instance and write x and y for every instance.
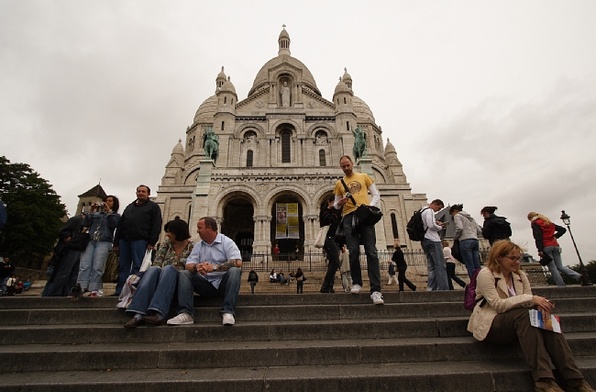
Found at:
(182, 319)
(93, 294)
(356, 289)
(377, 298)
(228, 319)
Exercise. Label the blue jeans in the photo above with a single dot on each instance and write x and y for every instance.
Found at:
(470, 254)
(435, 263)
(155, 291)
(131, 254)
(366, 236)
(93, 264)
(557, 268)
(197, 283)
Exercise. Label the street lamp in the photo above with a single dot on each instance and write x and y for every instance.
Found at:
(585, 279)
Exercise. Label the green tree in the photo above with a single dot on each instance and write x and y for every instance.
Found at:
(591, 267)
(34, 214)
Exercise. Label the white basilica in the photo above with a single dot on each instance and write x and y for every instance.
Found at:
(280, 146)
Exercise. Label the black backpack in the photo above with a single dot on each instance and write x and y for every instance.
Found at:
(501, 227)
(415, 226)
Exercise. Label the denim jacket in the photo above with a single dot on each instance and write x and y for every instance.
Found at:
(101, 225)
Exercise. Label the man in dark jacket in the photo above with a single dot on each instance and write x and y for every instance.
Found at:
(137, 232)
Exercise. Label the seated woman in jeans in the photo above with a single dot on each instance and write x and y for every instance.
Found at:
(501, 316)
(153, 297)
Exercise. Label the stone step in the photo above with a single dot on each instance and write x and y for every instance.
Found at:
(289, 312)
(417, 341)
(553, 293)
(358, 329)
(445, 376)
(204, 353)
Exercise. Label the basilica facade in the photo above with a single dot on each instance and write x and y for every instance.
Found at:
(245, 161)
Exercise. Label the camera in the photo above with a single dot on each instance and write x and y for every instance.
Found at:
(348, 195)
(98, 206)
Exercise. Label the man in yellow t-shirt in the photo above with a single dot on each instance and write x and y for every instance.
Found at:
(359, 186)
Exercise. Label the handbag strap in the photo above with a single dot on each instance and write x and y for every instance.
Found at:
(348, 192)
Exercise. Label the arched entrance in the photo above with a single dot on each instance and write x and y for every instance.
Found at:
(287, 227)
(238, 224)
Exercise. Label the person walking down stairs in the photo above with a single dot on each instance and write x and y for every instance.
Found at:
(400, 262)
(253, 279)
(450, 262)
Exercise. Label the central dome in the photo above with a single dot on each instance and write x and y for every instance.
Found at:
(283, 62)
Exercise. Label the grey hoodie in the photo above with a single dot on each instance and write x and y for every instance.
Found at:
(466, 227)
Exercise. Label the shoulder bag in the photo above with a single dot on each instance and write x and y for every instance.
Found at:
(321, 236)
(364, 215)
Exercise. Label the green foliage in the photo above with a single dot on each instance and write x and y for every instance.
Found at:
(34, 214)
(591, 267)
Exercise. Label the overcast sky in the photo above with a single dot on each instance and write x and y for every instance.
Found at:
(486, 102)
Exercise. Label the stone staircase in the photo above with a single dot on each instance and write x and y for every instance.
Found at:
(417, 341)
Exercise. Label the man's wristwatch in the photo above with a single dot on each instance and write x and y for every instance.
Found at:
(215, 267)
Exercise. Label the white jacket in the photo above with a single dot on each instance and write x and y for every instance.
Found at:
(492, 287)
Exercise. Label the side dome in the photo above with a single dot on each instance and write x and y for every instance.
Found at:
(361, 109)
(228, 86)
(206, 111)
(178, 149)
(341, 88)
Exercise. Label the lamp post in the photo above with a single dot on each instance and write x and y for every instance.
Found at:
(585, 279)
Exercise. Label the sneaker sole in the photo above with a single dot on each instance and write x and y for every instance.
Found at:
(184, 323)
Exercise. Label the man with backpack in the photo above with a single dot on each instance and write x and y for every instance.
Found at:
(431, 244)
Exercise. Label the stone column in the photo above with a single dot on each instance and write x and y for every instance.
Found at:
(200, 198)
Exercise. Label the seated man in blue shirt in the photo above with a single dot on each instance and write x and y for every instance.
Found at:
(213, 269)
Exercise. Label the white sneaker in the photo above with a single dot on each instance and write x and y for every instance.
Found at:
(228, 319)
(182, 319)
(356, 289)
(377, 298)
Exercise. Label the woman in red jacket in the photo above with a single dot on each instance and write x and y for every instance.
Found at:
(546, 233)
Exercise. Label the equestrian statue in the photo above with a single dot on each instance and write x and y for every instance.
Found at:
(211, 144)
(359, 149)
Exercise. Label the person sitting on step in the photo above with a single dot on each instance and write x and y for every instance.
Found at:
(152, 300)
(213, 269)
(504, 296)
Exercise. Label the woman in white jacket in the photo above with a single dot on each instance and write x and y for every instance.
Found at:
(504, 296)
